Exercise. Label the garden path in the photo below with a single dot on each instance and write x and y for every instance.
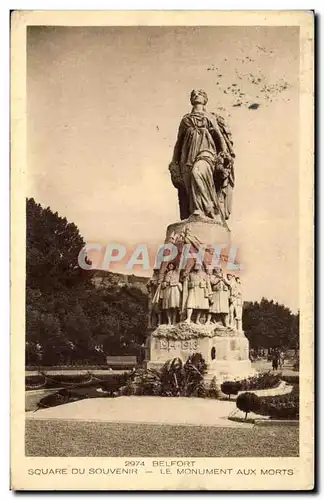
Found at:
(145, 409)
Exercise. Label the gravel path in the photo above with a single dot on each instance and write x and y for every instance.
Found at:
(145, 409)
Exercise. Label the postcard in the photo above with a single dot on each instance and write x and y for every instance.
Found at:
(162, 250)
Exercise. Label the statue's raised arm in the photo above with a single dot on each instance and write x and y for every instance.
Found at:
(202, 164)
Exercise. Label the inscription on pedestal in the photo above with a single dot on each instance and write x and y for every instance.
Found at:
(173, 345)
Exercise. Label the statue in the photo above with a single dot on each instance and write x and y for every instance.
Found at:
(201, 304)
(196, 293)
(172, 289)
(154, 301)
(202, 164)
(219, 308)
(237, 305)
(232, 285)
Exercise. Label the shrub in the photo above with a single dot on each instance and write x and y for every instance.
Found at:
(213, 390)
(194, 370)
(77, 365)
(35, 382)
(265, 380)
(142, 382)
(68, 395)
(291, 379)
(184, 379)
(247, 402)
(285, 406)
(111, 383)
(174, 379)
(230, 387)
(60, 397)
(67, 380)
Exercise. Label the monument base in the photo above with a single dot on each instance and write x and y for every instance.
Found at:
(225, 350)
(207, 231)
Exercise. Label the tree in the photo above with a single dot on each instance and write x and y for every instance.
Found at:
(52, 248)
(54, 280)
(68, 319)
(269, 324)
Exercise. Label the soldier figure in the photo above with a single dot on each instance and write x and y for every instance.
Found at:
(199, 293)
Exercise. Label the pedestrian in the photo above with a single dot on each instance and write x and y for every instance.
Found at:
(275, 360)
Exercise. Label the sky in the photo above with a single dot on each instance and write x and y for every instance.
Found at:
(103, 108)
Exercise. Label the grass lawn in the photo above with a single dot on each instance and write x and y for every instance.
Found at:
(98, 439)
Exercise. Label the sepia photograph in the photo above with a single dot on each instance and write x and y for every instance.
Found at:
(162, 307)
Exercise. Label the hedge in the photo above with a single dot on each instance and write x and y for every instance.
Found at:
(266, 380)
(291, 379)
(285, 406)
(107, 381)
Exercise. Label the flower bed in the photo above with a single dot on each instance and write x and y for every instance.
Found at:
(266, 380)
(291, 379)
(109, 381)
(280, 407)
(72, 366)
(285, 406)
(174, 379)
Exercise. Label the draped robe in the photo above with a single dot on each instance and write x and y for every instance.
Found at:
(203, 186)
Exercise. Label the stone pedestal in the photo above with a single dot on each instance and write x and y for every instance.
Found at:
(206, 230)
(225, 350)
(200, 231)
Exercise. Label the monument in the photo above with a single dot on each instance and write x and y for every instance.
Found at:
(195, 304)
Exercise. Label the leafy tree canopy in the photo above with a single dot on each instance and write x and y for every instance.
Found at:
(269, 324)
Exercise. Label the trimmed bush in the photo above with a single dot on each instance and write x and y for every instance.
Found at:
(247, 402)
(230, 387)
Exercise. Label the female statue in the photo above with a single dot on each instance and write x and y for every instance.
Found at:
(197, 293)
(202, 164)
(171, 293)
